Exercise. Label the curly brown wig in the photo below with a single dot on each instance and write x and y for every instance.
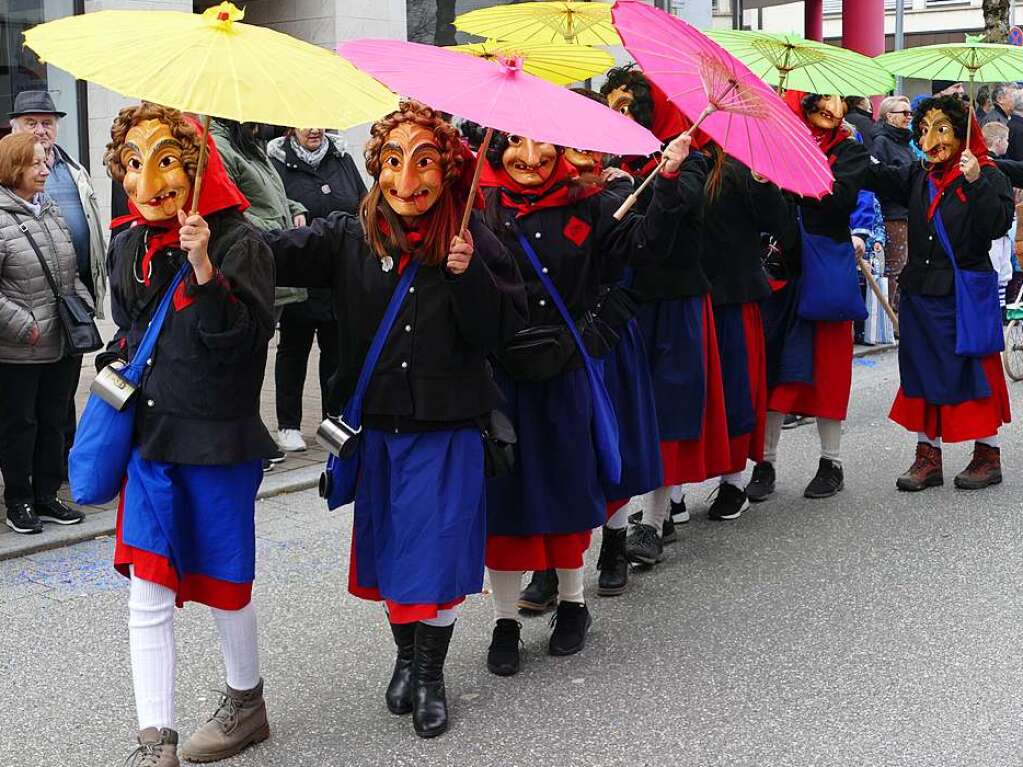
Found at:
(183, 130)
(443, 219)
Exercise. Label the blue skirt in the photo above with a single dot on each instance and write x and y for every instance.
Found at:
(191, 528)
(627, 377)
(735, 363)
(420, 516)
(673, 334)
(555, 487)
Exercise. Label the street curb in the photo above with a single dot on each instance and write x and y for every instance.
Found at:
(870, 351)
(101, 523)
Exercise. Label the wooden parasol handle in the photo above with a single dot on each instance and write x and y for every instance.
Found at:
(201, 167)
(865, 269)
(633, 198)
(481, 157)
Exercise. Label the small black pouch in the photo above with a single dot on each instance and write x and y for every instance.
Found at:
(499, 440)
(537, 353)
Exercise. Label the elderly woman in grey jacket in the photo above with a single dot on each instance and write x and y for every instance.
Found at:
(36, 373)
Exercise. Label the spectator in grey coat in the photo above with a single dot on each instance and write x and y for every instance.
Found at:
(37, 374)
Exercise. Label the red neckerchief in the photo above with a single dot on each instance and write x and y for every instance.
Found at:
(942, 176)
(413, 235)
(641, 167)
(555, 192)
(828, 139)
(218, 193)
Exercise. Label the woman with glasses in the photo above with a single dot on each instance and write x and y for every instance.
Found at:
(891, 147)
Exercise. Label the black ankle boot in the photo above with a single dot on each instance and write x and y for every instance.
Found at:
(541, 594)
(429, 702)
(612, 564)
(399, 691)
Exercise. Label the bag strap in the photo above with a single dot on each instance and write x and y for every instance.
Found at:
(548, 285)
(145, 348)
(39, 254)
(353, 411)
(939, 227)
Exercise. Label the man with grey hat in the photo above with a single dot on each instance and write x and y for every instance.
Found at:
(70, 187)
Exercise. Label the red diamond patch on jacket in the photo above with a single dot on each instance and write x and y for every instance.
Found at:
(577, 230)
(181, 298)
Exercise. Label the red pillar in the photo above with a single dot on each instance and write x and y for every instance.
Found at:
(863, 26)
(813, 19)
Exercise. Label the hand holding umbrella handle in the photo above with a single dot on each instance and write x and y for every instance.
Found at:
(633, 198)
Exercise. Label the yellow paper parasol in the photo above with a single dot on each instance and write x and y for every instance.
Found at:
(560, 64)
(212, 65)
(564, 21)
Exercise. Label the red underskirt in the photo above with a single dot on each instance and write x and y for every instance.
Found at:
(396, 612)
(537, 552)
(614, 506)
(750, 447)
(194, 587)
(958, 423)
(828, 395)
(696, 460)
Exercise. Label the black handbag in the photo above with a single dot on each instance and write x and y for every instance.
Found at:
(499, 440)
(75, 316)
(538, 353)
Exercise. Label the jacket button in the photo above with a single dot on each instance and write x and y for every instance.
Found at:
(150, 403)
(412, 289)
(544, 270)
(404, 364)
(149, 362)
(543, 302)
(408, 328)
(930, 237)
(537, 235)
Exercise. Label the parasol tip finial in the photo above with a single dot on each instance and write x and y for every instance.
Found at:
(510, 63)
(224, 15)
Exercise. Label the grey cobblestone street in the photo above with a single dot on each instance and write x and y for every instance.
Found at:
(876, 628)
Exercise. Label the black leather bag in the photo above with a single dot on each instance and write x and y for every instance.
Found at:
(538, 353)
(75, 316)
(499, 440)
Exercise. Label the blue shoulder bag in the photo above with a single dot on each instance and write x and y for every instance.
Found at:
(978, 311)
(99, 457)
(341, 475)
(829, 288)
(605, 424)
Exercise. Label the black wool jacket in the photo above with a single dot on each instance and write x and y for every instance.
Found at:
(199, 397)
(581, 243)
(891, 147)
(733, 222)
(433, 372)
(973, 215)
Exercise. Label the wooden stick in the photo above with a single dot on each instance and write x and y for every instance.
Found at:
(865, 268)
(201, 167)
(481, 157)
(969, 117)
(633, 198)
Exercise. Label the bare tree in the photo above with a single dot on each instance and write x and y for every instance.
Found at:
(444, 31)
(996, 20)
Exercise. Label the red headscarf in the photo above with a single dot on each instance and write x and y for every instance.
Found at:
(943, 175)
(218, 193)
(555, 192)
(826, 139)
(668, 123)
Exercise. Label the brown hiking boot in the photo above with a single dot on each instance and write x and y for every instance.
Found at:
(985, 469)
(157, 748)
(238, 722)
(925, 471)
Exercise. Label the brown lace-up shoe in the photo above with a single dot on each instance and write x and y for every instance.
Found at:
(157, 748)
(238, 722)
(925, 471)
(985, 469)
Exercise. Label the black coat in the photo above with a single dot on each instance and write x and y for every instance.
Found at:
(433, 372)
(973, 214)
(334, 185)
(199, 399)
(677, 270)
(732, 226)
(581, 243)
(891, 147)
(864, 123)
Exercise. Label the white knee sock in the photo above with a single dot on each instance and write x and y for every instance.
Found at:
(153, 652)
(772, 435)
(570, 585)
(678, 492)
(655, 508)
(735, 480)
(619, 519)
(505, 586)
(991, 441)
(830, 432)
(239, 645)
(921, 437)
(444, 617)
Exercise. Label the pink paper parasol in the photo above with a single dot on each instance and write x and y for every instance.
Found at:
(499, 96)
(731, 104)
